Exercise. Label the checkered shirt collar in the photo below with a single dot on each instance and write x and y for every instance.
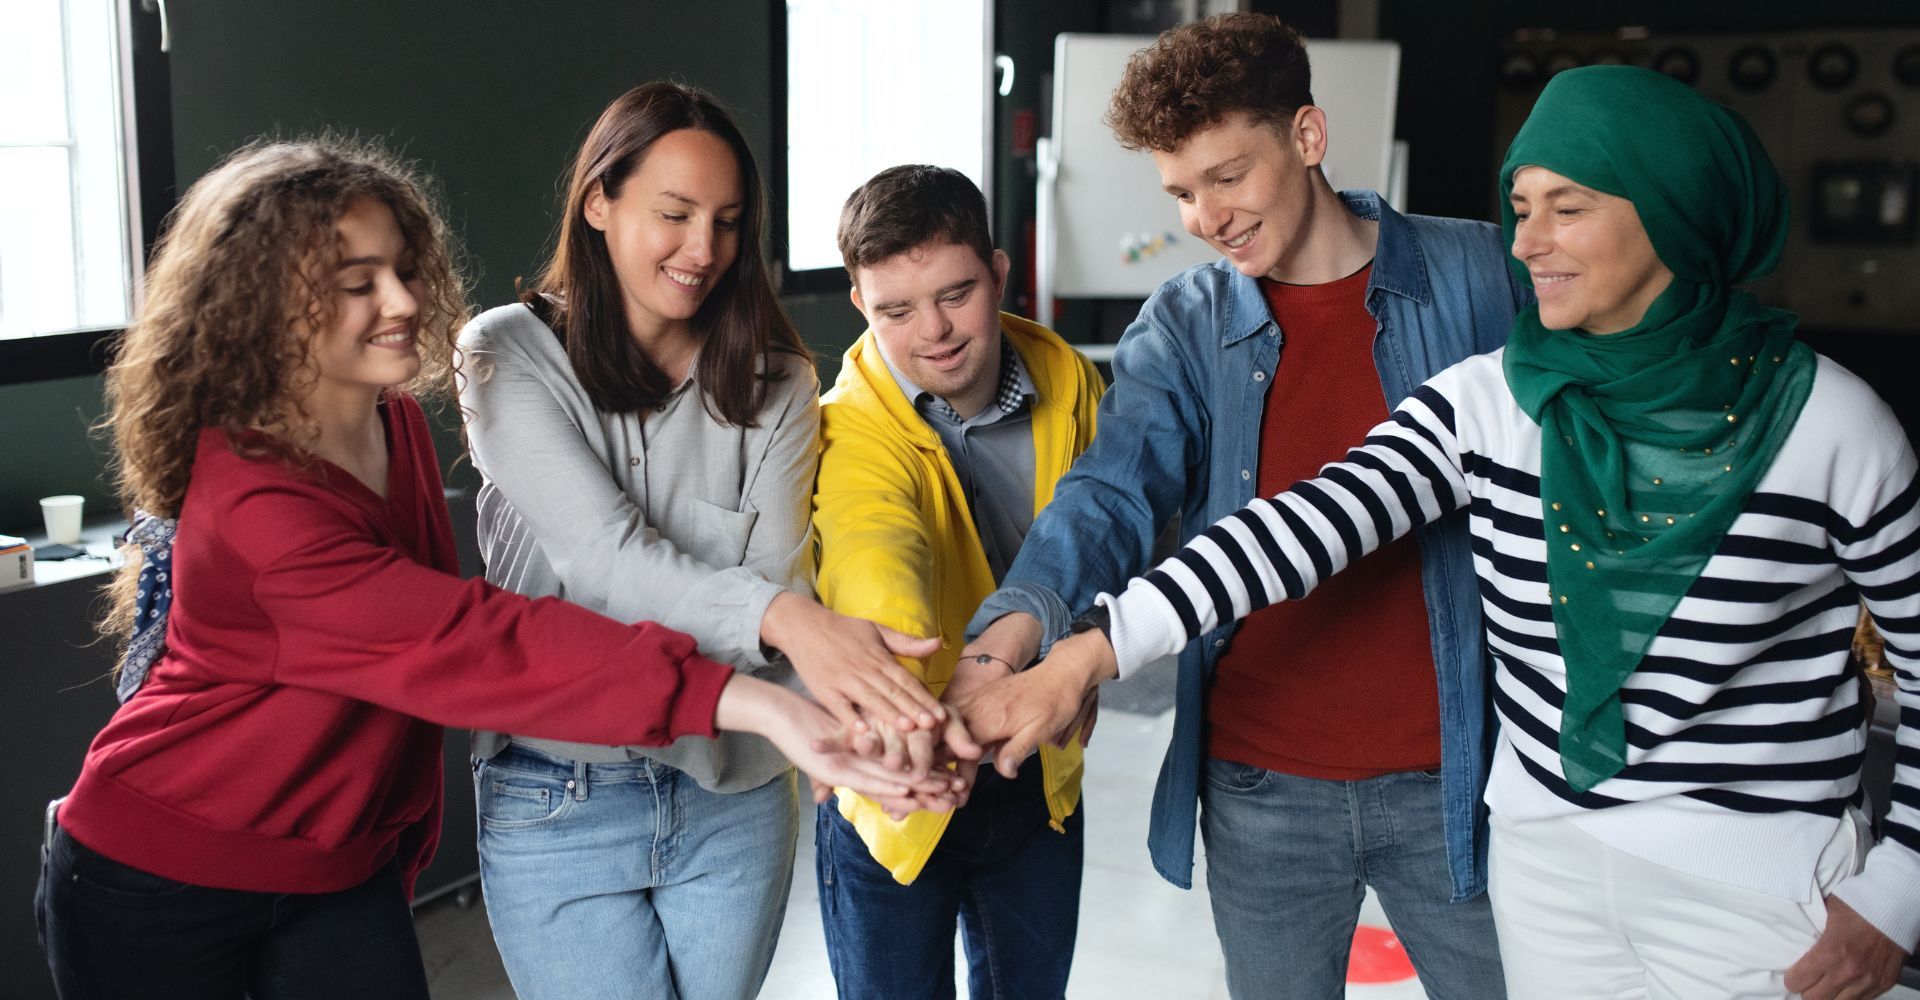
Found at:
(1014, 389)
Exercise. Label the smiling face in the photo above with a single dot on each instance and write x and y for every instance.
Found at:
(368, 344)
(1593, 267)
(673, 230)
(936, 312)
(1245, 188)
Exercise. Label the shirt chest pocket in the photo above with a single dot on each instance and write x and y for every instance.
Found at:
(724, 533)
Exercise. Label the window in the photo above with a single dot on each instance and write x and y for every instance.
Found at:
(870, 85)
(86, 164)
(67, 243)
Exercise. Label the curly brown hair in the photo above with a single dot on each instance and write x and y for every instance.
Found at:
(239, 282)
(1196, 74)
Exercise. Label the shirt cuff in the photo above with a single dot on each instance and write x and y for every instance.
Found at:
(701, 681)
(1886, 893)
(1031, 598)
(739, 634)
(1143, 627)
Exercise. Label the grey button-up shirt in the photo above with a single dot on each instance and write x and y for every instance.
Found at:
(992, 452)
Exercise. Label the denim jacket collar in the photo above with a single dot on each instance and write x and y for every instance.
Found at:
(1398, 267)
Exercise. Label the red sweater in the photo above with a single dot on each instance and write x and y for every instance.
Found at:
(1340, 685)
(289, 740)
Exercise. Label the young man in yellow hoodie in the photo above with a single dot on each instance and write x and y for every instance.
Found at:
(943, 437)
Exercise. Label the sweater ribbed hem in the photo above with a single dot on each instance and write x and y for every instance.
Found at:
(134, 830)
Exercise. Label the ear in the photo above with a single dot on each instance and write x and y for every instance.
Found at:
(1309, 135)
(597, 207)
(1000, 266)
(853, 293)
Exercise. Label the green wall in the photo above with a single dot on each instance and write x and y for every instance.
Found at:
(45, 448)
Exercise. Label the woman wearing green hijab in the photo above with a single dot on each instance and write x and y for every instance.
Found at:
(1675, 508)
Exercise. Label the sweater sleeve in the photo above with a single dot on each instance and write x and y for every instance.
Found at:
(1123, 490)
(1880, 553)
(354, 616)
(1280, 548)
(780, 547)
(527, 443)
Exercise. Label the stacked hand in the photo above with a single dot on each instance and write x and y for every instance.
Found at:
(1055, 701)
(818, 744)
(889, 739)
(851, 667)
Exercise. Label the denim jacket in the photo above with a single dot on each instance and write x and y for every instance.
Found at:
(1180, 433)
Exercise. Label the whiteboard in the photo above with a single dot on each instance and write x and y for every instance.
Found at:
(1109, 231)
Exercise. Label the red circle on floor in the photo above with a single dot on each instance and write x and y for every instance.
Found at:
(1377, 957)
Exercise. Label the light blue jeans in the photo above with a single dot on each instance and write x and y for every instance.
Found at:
(1289, 860)
(609, 881)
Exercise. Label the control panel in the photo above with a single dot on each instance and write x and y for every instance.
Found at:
(1839, 112)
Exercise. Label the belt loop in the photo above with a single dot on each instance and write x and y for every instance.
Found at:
(579, 783)
(52, 823)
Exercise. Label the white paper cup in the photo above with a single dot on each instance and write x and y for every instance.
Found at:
(62, 514)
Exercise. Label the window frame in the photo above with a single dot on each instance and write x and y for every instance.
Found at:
(834, 279)
(88, 351)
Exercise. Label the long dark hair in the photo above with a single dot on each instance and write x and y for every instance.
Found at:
(578, 293)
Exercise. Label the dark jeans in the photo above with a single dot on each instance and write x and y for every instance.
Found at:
(1010, 880)
(111, 931)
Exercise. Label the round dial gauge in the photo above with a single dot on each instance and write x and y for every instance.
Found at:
(1753, 68)
(1832, 66)
(1870, 114)
(1679, 62)
(1519, 71)
(1906, 65)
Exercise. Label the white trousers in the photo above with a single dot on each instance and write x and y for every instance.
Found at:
(1579, 920)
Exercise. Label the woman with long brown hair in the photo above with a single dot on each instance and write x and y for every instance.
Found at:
(252, 819)
(645, 421)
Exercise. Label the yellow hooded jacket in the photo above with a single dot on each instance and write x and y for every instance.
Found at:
(898, 544)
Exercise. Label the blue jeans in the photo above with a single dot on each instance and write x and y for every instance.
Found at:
(116, 932)
(624, 880)
(1010, 880)
(1289, 860)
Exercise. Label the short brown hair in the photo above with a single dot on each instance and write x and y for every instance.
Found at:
(909, 206)
(1195, 75)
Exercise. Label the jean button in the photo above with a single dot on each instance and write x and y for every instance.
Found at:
(1246, 474)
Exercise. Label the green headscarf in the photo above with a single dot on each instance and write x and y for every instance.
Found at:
(1653, 438)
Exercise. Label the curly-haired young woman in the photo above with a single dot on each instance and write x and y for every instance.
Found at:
(251, 820)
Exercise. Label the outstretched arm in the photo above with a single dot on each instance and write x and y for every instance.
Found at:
(1111, 507)
(1280, 548)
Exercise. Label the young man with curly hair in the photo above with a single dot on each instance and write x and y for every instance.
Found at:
(1341, 741)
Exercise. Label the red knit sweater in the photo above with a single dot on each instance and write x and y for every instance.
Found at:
(289, 740)
(1339, 685)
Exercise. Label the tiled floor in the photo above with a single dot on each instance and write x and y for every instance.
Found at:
(1139, 937)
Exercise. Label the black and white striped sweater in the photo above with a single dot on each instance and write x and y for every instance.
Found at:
(1745, 726)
